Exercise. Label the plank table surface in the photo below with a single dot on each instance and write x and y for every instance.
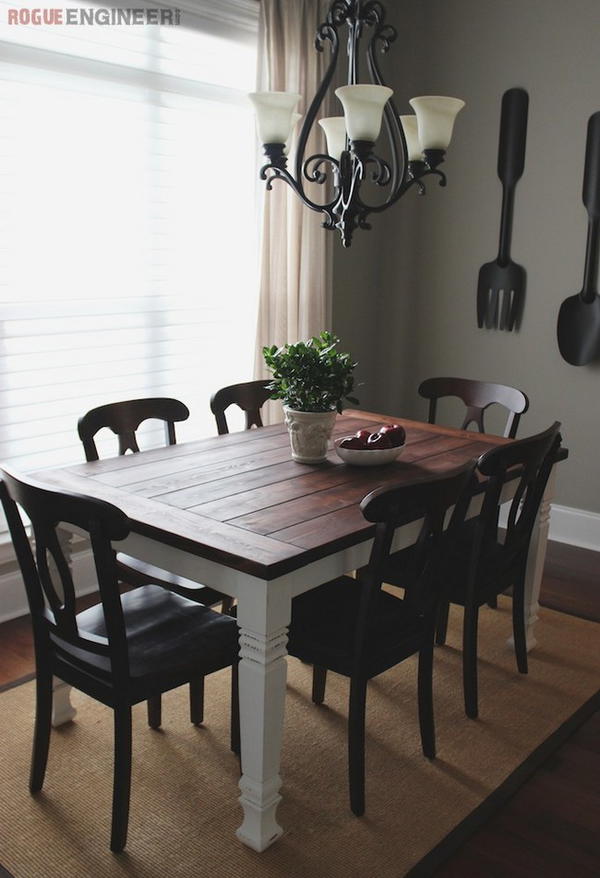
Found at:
(241, 501)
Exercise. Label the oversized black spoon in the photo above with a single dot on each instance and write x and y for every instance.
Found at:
(578, 328)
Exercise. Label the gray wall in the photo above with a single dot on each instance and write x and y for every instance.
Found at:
(404, 296)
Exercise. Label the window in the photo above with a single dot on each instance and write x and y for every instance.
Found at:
(127, 249)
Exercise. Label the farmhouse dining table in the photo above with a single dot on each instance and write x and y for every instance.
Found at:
(236, 513)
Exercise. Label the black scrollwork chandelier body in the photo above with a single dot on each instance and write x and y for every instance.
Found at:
(417, 143)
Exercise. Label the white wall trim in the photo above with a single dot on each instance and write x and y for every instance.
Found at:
(578, 527)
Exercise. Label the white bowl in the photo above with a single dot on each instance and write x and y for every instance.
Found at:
(368, 457)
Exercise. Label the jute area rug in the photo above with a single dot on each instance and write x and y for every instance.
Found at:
(184, 809)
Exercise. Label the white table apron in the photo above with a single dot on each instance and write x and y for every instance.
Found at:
(264, 611)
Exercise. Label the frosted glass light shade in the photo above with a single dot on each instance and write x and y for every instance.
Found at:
(335, 134)
(435, 118)
(363, 109)
(274, 114)
(411, 134)
(295, 119)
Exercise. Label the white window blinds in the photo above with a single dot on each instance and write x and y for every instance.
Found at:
(127, 221)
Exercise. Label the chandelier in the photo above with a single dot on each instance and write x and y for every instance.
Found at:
(417, 143)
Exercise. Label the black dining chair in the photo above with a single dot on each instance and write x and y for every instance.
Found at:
(355, 628)
(477, 397)
(123, 419)
(128, 648)
(250, 396)
(482, 560)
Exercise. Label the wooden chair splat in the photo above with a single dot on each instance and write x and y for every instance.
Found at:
(250, 396)
(477, 397)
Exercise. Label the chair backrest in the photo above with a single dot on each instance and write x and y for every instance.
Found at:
(46, 573)
(528, 461)
(477, 397)
(428, 499)
(250, 396)
(124, 418)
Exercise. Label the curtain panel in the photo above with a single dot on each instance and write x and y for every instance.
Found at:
(294, 261)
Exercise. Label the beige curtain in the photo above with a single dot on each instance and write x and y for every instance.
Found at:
(293, 296)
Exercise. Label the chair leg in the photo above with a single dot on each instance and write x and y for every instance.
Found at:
(154, 705)
(122, 778)
(197, 701)
(235, 710)
(356, 744)
(493, 603)
(442, 623)
(425, 688)
(518, 613)
(470, 660)
(318, 684)
(41, 733)
(226, 605)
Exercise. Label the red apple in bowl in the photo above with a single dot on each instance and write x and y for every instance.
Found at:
(378, 441)
(353, 442)
(363, 434)
(396, 434)
(357, 452)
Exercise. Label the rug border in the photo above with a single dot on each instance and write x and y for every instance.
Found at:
(20, 681)
(426, 867)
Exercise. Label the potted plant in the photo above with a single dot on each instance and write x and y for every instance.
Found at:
(313, 379)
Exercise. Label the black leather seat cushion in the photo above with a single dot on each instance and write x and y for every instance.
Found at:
(323, 626)
(166, 632)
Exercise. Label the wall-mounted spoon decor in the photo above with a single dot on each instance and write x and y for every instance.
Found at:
(578, 327)
(501, 285)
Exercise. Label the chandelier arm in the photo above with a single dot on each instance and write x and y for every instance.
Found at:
(406, 185)
(373, 12)
(326, 31)
(270, 173)
(386, 35)
(339, 12)
(315, 175)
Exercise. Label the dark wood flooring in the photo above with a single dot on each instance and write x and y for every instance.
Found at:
(550, 828)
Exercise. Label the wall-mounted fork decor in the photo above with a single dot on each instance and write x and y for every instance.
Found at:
(501, 285)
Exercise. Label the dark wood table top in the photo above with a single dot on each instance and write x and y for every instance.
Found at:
(240, 499)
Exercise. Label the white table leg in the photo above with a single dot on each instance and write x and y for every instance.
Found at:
(535, 562)
(263, 617)
(62, 709)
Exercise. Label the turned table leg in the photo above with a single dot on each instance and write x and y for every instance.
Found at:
(535, 563)
(62, 709)
(263, 620)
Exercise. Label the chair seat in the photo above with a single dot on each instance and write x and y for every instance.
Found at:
(323, 627)
(167, 634)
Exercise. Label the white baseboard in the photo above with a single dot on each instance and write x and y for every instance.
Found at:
(577, 527)
(13, 599)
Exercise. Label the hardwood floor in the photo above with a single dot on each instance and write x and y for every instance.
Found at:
(16, 646)
(551, 826)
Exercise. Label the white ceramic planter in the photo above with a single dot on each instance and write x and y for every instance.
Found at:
(309, 434)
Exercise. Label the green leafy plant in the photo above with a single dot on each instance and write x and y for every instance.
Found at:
(311, 376)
